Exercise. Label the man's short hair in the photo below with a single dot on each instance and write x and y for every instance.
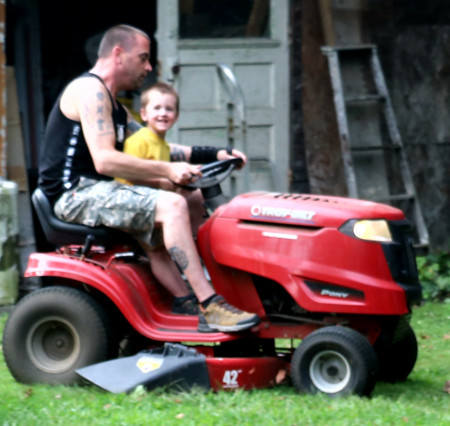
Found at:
(122, 35)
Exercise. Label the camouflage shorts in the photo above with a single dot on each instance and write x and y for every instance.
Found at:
(113, 204)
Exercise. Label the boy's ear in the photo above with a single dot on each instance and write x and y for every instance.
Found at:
(143, 114)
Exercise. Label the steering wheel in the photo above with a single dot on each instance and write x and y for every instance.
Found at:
(214, 173)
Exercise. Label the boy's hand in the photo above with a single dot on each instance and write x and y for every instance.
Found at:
(223, 155)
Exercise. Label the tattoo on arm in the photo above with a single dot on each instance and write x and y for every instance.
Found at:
(100, 123)
(177, 154)
(100, 111)
(179, 257)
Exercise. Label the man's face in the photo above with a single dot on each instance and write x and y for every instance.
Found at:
(136, 63)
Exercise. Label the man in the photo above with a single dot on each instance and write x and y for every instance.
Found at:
(82, 153)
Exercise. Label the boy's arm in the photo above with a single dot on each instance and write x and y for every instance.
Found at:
(203, 155)
(180, 152)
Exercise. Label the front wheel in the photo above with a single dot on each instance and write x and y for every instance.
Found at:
(336, 361)
(51, 333)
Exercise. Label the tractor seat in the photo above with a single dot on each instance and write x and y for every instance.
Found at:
(61, 233)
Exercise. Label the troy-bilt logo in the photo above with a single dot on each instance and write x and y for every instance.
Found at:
(258, 210)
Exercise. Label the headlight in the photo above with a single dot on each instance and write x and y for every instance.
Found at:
(369, 230)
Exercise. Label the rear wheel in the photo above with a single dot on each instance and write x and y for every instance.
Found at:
(336, 361)
(51, 333)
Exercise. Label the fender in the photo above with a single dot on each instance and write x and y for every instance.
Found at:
(95, 275)
(126, 285)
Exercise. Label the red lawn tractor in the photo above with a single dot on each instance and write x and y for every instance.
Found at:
(332, 279)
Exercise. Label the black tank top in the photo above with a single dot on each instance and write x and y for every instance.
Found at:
(65, 156)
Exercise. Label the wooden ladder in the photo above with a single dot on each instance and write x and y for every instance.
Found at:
(376, 166)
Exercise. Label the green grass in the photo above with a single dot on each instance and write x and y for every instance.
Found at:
(420, 400)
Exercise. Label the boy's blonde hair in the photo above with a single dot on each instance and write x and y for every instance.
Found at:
(160, 87)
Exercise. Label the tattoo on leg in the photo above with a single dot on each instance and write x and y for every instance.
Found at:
(179, 257)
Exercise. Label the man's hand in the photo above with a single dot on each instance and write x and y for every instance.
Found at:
(167, 185)
(183, 173)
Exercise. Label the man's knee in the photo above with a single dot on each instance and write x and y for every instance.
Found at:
(170, 205)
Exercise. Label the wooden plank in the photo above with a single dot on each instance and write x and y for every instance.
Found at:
(342, 21)
(15, 154)
(322, 143)
(326, 16)
(2, 91)
(258, 17)
(16, 172)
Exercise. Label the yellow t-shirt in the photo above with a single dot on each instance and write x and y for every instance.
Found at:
(148, 145)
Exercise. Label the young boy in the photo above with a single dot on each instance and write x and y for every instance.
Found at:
(159, 110)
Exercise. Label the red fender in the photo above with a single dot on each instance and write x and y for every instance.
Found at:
(130, 286)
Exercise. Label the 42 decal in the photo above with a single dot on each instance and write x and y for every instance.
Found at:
(230, 379)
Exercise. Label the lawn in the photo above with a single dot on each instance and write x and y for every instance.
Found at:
(422, 400)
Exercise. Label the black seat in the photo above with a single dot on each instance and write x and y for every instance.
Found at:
(61, 233)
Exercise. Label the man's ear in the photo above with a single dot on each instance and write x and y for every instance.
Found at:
(117, 54)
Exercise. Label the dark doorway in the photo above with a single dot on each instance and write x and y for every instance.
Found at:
(48, 43)
(70, 30)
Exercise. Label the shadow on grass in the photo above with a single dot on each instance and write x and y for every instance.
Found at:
(413, 390)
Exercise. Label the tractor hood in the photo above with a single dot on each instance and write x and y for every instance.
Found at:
(304, 209)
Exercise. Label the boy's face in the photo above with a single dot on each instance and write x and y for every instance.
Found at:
(161, 112)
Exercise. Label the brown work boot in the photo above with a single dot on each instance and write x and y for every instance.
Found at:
(221, 316)
(186, 305)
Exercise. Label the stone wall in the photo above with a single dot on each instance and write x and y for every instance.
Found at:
(9, 231)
